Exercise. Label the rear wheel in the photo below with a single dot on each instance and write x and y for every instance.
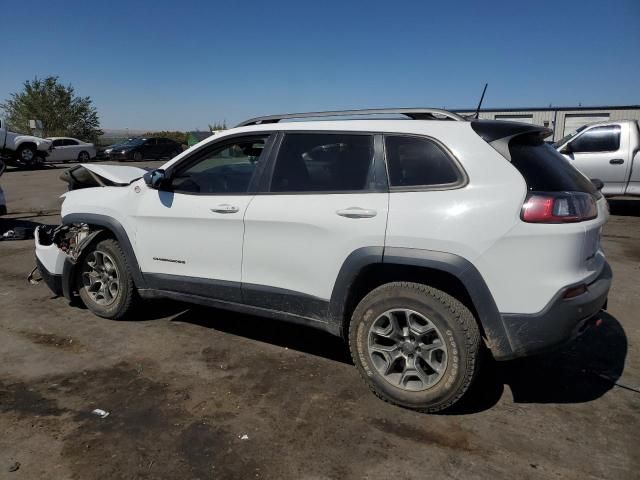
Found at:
(414, 345)
(104, 281)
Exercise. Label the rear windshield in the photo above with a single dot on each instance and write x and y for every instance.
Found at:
(544, 169)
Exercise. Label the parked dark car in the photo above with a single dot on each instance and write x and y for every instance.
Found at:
(138, 149)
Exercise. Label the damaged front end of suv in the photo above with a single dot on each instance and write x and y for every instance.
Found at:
(60, 247)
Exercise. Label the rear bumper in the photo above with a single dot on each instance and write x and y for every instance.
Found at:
(560, 321)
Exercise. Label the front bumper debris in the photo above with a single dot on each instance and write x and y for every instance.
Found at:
(57, 250)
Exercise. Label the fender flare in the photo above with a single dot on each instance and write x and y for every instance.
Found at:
(115, 227)
(455, 265)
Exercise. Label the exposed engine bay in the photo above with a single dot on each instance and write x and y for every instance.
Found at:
(68, 238)
(57, 245)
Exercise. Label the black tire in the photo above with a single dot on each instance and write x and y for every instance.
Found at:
(84, 157)
(123, 301)
(455, 326)
(27, 156)
(137, 157)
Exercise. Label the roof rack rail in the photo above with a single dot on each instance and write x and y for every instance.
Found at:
(412, 113)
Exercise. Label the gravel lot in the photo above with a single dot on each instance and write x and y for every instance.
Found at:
(201, 393)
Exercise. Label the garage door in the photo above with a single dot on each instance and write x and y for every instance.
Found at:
(573, 122)
(516, 118)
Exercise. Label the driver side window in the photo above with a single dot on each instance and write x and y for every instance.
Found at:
(225, 169)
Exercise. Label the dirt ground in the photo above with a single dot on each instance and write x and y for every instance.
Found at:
(202, 393)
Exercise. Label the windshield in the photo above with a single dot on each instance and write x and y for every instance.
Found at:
(133, 142)
(566, 138)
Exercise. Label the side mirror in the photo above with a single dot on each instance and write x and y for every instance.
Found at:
(566, 150)
(155, 178)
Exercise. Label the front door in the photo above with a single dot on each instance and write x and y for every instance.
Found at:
(191, 231)
(601, 152)
(323, 204)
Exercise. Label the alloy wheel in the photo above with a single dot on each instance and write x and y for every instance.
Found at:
(100, 277)
(407, 349)
(26, 154)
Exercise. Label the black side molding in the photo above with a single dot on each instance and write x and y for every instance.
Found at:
(472, 280)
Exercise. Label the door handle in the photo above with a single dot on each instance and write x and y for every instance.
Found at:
(225, 208)
(616, 161)
(356, 212)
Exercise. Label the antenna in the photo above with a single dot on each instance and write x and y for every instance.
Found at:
(481, 99)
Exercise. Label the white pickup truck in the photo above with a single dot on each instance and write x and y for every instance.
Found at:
(609, 152)
(20, 150)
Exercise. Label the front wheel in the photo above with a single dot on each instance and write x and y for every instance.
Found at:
(415, 346)
(137, 157)
(27, 157)
(104, 282)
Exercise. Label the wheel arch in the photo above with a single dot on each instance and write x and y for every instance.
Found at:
(369, 267)
(110, 227)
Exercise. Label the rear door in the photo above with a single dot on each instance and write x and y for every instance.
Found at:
(71, 149)
(323, 201)
(150, 148)
(602, 152)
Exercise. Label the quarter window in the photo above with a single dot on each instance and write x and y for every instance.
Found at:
(598, 139)
(225, 169)
(415, 162)
(319, 162)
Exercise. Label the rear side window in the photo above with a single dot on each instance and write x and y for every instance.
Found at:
(418, 162)
(319, 162)
(544, 169)
(598, 139)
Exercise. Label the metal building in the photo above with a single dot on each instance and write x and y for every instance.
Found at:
(562, 120)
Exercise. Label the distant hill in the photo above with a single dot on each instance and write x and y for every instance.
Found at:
(123, 132)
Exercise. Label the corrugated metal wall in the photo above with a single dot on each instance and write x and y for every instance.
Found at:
(541, 116)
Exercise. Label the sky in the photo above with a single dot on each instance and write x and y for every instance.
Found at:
(162, 65)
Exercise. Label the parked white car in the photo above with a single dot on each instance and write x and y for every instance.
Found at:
(609, 152)
(420, 241)
(20, 150)
(67, 149)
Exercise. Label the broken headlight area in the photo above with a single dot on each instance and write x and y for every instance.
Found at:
(66, 237)
(57, 245)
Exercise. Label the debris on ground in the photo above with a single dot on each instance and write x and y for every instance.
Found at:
(100, 413)
(244, 437)
(14, 467)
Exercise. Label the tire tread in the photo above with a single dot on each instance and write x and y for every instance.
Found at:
(465, 319)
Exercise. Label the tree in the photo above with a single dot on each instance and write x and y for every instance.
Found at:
(61, 111)
(177, 136)
(218, 126)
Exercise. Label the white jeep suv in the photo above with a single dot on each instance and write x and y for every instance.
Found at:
(420, 240)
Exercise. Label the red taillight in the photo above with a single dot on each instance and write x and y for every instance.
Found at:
(558, 207)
